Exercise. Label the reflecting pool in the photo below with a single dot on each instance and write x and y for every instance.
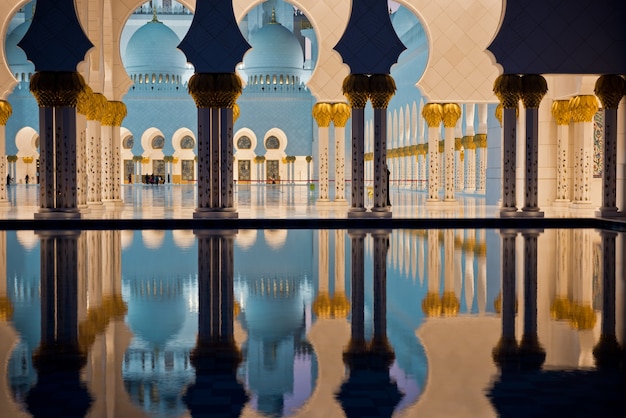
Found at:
(323, 323)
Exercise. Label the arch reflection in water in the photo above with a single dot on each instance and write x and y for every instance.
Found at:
(327, 319)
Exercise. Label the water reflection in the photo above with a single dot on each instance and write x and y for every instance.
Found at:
(310, 323)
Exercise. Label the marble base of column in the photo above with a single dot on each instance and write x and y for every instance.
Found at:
(443, 204)
(113, 203)
(84, 209)
(562, 203)
(57, 214)
(383, 212)
(95, 206)
(505, 353)
(508, 212)
(610, 213)
(530, 353)
(341, 202)
(4, 203)
(358, 213)
(226, 213)
(607, 353)
(324, 202)
(530, 213)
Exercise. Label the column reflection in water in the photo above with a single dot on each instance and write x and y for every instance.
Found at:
(607, 350)
(581, 389)
(216, 356)
(59, 390)
(368, 389)
(532, 354)
(505, 353)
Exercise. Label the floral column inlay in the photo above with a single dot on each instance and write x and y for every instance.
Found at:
(534, 87)
(5, 113)
(341, 114)
(322, 113)
(433, 114)
(451, 115)
(562, 116)
(610, 89)
(508, 88)
(583, 108)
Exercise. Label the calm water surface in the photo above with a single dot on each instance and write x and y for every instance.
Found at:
(331, 323)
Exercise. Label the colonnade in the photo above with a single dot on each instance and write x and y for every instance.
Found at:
(573, 190)
(337, 114)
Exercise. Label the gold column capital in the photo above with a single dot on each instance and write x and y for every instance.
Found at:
(323, 114)
(356, 87)
(236, 112)
(534, 87)
(561, 112)
(340, 114)
(215, 90)
(451, 114)
(114, 113)
(508, 89)
(5, 112)
(458, 144)
(468, 142)
(84, 100)
(450, 304)
(498, 113)
(382, 88)
(97, 106)
(480, 140)
(433, 114)
(583, 108)
(56, 88)
(321, 305)
(431, 305)
(610, 89)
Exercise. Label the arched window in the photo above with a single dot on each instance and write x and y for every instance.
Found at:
(158, 142)
(128, 142)
(140, 78)
(160, 78)
(267, 79)
(167, 78)
(281, 79)
(244, 143)
(274, 79)
(187, 142)
(272, 143)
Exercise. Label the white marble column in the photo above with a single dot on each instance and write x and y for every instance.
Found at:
(470, 149)
(480, 140)
(562, 117)
(5, 114)
(451, 115)
(322, 112)
(341, 114)
(94, 150)
(433, 114)
(583, 109)
(459, 162)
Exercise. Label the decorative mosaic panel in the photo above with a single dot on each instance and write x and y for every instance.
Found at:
(128, 168)
(244, 170)
(272, 170)
(187, 169)
(598, 143)
(158, 168)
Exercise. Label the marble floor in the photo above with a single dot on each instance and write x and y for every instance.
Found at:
(260, 206)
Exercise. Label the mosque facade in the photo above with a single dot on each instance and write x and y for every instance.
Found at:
(280, 135)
